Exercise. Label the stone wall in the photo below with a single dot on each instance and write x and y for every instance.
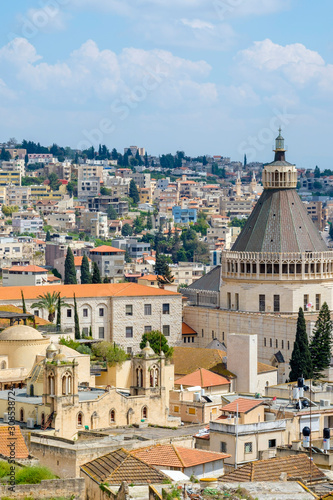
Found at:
(54, 488)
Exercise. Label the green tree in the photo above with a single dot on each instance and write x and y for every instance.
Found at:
(300, 362)
(237, 222)
(56, 273)
(24, 309)
(167, 277)
(133, 192)
(149, 224)
(127, 256)
(48, 236)
(9, 210)
(158, 342)
(181, 255)
(54, 181)
(70, 272)
(76, 321)
(49, 302)
(138, 224)
(96, 276)
(85, 272)
(126, 230)
(321, 342)
(111, 213)
(111, 353)
(59, 312)
(317, 172)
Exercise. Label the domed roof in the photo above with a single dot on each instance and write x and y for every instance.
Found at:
(148, 351)
(51, 348)
(60, 357)
(20, 332)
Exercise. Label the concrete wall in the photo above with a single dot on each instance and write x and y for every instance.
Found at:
(47, 489)
(243, 360)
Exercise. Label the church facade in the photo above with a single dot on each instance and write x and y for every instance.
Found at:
(278, 263)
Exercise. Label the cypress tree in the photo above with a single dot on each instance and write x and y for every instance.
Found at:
(133, 192)
(76, 321)
(149, 224)
(24, 309)
(300, 362)
(70, 273)
(59, 312)
(96, 276)
(85, 272)
(48, 236)
(321, 342)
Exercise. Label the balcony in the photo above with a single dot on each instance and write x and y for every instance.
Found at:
(245, 429)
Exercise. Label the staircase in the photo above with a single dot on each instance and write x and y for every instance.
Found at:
(48, 422)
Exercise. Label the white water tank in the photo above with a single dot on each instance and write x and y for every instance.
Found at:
(196, 397)
(5, 418)
(30, 423)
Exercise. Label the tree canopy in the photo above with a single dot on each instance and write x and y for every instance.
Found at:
(300, 361)
(158, 342)
(70, 272)
(321, 342)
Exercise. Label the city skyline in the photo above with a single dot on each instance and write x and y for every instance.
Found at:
(207, 79)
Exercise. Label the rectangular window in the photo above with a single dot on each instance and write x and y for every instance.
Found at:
(276, 303)
(129, 310)
(101, 311)
(305, 302)
(247, 447)
(202, 333)
(184, 340)
(223, 447)
(191, 411)
(272, 443)
(282, 344)
(192, 339)
(262, 303)
(270, 343)
(85, 313)
(147, 309)
(237, 301)
(265, 343)
(166, 330)
(166, 309)
(69, 313)
(318, 301)
(36, 313)
(129, 350)
(176, 409)
(129, 332)
(229, 300)
(276, 343)
(147, 328)
(288, 345)
(101, 332)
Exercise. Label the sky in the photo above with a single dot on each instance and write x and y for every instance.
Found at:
(211, 77)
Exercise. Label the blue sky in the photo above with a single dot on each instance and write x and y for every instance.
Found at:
(204, 76)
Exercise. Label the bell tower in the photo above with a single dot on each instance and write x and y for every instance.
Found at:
(60, 382)
(148, 377)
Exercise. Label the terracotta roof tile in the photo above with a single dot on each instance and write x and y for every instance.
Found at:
(120, 465)
(106, 249)
(244, 405)
(187, 330)
(203, 378)
(78, 260)
(30, 269)
(188, 359)
(94, 290)
(10, 308)
(296, 466)
(169, 455)
(21, 450)
(263, 368)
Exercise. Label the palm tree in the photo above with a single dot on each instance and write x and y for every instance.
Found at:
(49, 302)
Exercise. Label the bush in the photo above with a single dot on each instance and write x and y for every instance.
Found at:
(4, 468)
(33, 475)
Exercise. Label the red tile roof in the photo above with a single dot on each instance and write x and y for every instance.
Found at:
(78, 260)
(6, 436)
(30, 269)
(187, 330)
(169, 455)
(95, 290)
(244, 405)
(202, 378)
(106, 249)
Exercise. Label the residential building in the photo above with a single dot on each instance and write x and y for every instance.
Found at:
(10, 177)
(41, 158)
(110, 261)
(17, 153)
(78, 264)
(145, 195)
(184, 215)
(88, 187)
(134, 150)
(185, 273)
(102, 203)
(24, 276)
(27, 225)
(62, 221)
(86, 172)
(14, 165)
(17, 196)
(137, 250)
(44, 192)
(95, 223)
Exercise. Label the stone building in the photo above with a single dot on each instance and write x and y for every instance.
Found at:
(278, 264)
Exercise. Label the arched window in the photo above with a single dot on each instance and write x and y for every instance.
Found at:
(42, 419)
(112, 416)
(21, 415)
(154, 376)
(66, 384)
(144, 412)
(79, 419)
(51, 384)
(3, 365)
(139, 377)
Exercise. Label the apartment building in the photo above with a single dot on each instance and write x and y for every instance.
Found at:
(44, 192)
(118, 313)
(27, 225)
(95, 223)
(88, 187)
(10, 177)
(24, 276)
(88, 171)
(102, 203)
(17, 153)
(13, 166)
(184, 215)
(17, 195)
(41, 158)
(63, 221)
(110, 261)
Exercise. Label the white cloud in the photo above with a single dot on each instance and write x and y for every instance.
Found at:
(197, 24)
(19, 51)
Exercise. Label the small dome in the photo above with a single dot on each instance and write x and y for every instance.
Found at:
(20, 332)
(60, 357)
(51, 348)
(148, 351)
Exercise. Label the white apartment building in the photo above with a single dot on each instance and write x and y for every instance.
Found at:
(110, 261)
(17, 195)
(14, 165)
(88, 187)
(63, 221)
(95, 223)
(119, 313)
(24, 276)
(25, 225)
(88, 171)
